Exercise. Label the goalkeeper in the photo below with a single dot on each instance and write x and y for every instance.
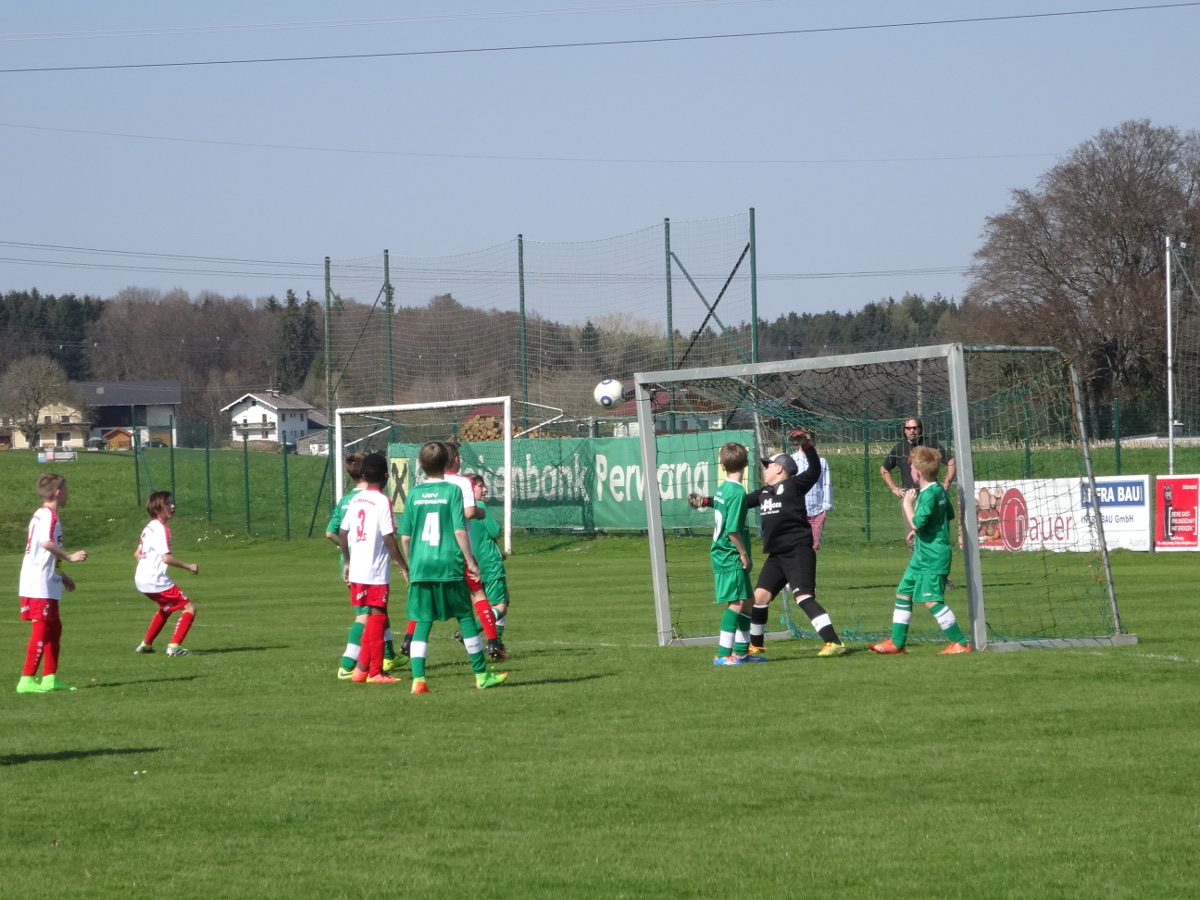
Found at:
(788, 543)
(928, 513)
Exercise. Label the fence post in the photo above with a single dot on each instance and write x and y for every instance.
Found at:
(867, 472)
(171, 455)
(1117, 432)
(1028, 449)
(137, 474)
(246, 474)
(207, 474)
(287, 506)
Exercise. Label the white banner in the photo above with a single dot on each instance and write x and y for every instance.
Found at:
(1055, 513)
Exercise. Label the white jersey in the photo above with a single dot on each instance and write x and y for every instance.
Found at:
(151, 574)
(819, 498)
(367, 522)
(468, 494)
(39, 580)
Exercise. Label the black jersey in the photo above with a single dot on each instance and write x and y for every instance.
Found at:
(782, 510)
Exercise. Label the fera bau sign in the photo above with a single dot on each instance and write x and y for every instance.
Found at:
(1059, 514)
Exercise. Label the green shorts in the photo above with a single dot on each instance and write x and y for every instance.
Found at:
(922, 588)
(732, 586)
(438, 601)
(497, 591)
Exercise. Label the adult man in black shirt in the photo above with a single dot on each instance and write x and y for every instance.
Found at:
(914, 436)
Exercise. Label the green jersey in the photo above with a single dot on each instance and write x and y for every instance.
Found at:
(931, 519)
(730, 506)
(433, 512)
(483, 544)
(335, 521)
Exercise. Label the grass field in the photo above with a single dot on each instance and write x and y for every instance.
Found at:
(606, 767)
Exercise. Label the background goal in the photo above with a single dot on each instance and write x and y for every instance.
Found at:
(1032, 567)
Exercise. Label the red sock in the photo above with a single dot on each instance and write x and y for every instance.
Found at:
(181, 627)
(33, 653)
(411, 629)
(372, 646)
(156, 625)
(52, 645)
(487, 618)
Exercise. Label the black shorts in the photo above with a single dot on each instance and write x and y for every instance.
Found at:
(796, 567)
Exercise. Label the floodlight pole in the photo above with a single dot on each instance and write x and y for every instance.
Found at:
(1170, 373)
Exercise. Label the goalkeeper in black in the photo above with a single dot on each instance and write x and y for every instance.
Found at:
(787, 542)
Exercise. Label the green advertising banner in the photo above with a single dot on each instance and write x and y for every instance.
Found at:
(588, 483)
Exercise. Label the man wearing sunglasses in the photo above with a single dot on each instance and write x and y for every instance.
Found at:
(914, 436)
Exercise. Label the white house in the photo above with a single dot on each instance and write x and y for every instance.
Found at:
(268, 416)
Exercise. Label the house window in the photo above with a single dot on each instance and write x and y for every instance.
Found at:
(63, 420)
(264, 418)
(45, 420)
(265, 435)
(61, 438)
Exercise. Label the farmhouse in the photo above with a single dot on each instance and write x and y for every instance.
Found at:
(148, 409)
(268, 416)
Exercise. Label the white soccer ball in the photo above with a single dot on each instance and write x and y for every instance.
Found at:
(608, 393)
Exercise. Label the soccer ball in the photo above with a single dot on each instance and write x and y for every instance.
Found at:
(608, 393)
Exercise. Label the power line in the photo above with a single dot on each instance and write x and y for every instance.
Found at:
(569, 45)
(499, 157)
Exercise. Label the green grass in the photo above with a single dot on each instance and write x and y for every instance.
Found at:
(607, 767)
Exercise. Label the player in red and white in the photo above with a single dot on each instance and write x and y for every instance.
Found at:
(41, 588)
(494, 649)
(368, 543)
(153, 554)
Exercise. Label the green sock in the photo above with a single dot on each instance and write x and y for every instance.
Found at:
(470, 629)
(728, 627)
(900, 619)
(499, 621)
(353, 645)
(420, 636)
(946, 619)
(743, 626)
(389, 648)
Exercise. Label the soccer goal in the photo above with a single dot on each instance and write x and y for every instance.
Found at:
(1031, 568)
(485, 427)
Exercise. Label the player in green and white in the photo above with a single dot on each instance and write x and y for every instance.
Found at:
(353, 467)
(433, 536)
(730, 556)
(484, 533)
(929, 514)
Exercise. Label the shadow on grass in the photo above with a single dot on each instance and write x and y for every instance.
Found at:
(17, 759)
(113, 684)
(216, 650)
(534, 682)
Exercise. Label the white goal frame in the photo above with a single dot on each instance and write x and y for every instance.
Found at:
(955, 359)
(340, 449)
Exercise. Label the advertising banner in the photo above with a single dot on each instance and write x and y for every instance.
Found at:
(1124, 508)
(1177, 499)
(591, 483)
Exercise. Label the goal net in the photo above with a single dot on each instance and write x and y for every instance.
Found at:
(1031, 568)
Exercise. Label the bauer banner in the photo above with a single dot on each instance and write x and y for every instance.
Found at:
(1056, 514)
(1178, 497)
(591, 483)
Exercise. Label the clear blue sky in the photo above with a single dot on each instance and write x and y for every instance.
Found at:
(872, 148)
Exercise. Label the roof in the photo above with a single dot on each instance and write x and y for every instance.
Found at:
(272, 399)
(130, 393)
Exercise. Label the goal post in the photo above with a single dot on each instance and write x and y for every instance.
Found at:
(1031, 553)
(378, 428)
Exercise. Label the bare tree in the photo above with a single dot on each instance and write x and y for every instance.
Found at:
(1078, 263)
(28, 387)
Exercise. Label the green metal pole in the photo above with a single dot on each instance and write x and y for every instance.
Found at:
(867, 472)
(389, 308)
(329, 407)
(521, 301)
(1028, 447)
(246, 475)
(1117, 432)
(287, 504)
(133, 441)
(171, 455)
(312, 523)
(207, 473)
(670, 324)
(753, 291)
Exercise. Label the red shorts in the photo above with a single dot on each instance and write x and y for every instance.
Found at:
(170, 600)
(369, 595)
(38, 609)
(473, 582)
